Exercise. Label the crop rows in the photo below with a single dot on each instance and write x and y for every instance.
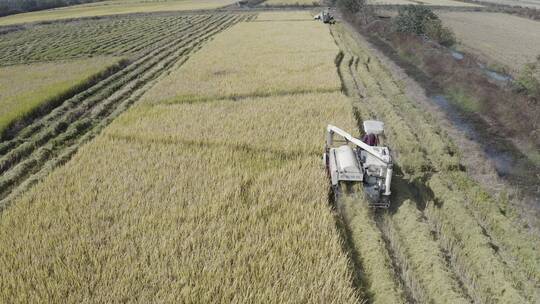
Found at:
(122, 36)
(214, 200)
(448, 239)
(53, 138)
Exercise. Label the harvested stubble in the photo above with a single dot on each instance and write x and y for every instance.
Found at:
(120, 36)
(26, 87)
(282, 57)
(223, 216)
(378, 273)
(509, 40)
(112, 8)
(218, 201)
(468, 221)
(421, 262)
(518, 248)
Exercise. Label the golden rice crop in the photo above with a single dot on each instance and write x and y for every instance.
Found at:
(23, 88)
(167, 215)
(196, 202)
(509, 40)
(281, 57)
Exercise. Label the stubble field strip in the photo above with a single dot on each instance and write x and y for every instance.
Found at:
(481, 211)
(41, 142)
(417, 259)
(522, 3)
(230, 204)
(246, 224)
(468, 222)
(504, 39)
(124, 37)
(116, 8)
(380, 274)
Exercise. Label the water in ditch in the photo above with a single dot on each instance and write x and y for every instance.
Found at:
(511, 164)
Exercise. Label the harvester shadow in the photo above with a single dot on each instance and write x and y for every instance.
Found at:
(413, 189)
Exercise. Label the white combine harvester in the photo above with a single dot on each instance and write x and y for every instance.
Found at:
(325, 17)
(356, 161)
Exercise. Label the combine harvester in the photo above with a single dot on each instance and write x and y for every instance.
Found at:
(360, 161)
(325, 17)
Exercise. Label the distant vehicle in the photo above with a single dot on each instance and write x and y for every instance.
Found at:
(325, 17)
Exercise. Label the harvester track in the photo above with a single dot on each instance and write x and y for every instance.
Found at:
(52, 139)
(462, 240)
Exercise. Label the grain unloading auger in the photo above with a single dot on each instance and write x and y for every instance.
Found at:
(356, 161)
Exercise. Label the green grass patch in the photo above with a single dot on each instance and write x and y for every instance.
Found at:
(463, 100)
(25, 88)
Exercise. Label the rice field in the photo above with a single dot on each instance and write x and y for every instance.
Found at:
(249, 223)
(505, 39)
(476, 253)
(193, 174)
(35, 148)
(299, 64)
(106, 8)
(23, 88)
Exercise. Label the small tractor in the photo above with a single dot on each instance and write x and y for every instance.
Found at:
(360, 161)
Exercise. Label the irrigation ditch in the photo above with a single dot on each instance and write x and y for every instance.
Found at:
(52, 139)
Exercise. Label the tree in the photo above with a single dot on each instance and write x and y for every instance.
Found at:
(420, 20)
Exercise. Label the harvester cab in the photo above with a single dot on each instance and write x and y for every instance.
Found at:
(360, 161)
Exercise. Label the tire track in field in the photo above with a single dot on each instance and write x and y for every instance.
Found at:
(408, 258)
(481, 272)
(380, 271)
(436, 186)
(39, 148)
